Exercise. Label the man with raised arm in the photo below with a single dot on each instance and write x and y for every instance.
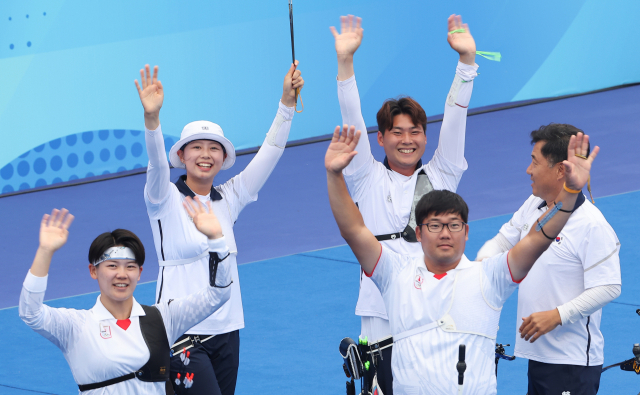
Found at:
(560, 303)
(440, 299)
(387, 193)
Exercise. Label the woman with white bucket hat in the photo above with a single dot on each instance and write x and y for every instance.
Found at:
(206, 357)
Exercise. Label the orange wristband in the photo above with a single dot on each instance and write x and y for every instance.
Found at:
(566, 188)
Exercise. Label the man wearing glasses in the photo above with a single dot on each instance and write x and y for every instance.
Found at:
(440, 299)
(387, 193)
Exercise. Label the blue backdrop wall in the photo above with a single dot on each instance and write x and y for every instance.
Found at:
(69, 109)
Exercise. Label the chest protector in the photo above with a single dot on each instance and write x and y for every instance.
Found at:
(423, 186)
(469, 310)
(157, 367)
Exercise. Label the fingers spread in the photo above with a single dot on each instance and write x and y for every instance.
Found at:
(333, 31)
(593, 154)
(143, 81)
(60, 218)
(68, 221)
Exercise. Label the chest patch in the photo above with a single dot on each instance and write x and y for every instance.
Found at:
(417, 282)
(105, 331)
(558, 240)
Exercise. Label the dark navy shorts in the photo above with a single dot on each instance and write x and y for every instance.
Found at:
(557, 379)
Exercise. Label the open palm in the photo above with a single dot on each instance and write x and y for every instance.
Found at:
(203, 217)
(54, 229)
(461, 42)
(577, 169)
(342, 148)
(350, 37)
(151, 94)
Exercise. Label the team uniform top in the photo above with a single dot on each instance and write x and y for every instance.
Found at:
(583, 256)
(176, 237)
(385, 197)
(97, 349)
(425, 363)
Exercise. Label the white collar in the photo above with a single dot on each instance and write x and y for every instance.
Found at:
(464, 263)
(101, 313)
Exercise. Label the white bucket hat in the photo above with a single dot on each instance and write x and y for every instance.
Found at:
(202, 130)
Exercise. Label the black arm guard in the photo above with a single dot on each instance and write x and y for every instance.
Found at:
(214, 259)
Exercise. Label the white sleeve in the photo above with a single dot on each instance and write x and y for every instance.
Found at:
(495, 246)
(349, 100)
(599, 253)
(588, 302)
(454, 122)
(513, 229)
(56, 325)
(259, 169)
(183, 313)
(499, 285)
(158, 176)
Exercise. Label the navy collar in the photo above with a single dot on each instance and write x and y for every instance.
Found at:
(184, 189)
(386, 164)
(579, 202)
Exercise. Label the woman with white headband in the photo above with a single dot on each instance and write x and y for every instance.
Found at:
(203, 151)
(120, 346)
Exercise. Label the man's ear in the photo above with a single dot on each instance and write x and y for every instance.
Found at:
(418, 233)
(380, 138)
(93, 271)
(140, 274)
(467, 232)
(560, 171)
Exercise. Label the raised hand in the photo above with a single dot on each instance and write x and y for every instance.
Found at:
(53, 230)
(151, 96)
(461, 42)
(350, 37)
(577, 167)
(292, 81)
(203, 217)
(342, 148)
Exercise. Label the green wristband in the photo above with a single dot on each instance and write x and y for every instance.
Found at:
(457, 31)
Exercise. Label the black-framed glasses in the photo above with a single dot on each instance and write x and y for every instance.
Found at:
(436, 227)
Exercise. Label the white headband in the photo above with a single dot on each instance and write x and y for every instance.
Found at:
(116, 253)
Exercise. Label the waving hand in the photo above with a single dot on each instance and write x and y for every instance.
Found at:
(342, 148)
(151, 96)
(462, 42)
(577, 167)
(203, 217)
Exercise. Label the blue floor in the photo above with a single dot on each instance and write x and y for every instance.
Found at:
(298, 307)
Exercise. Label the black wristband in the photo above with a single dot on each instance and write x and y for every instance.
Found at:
(567, 211)
(542, 230)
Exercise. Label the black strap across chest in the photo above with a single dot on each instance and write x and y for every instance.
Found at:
(423, 186)
(157, 367)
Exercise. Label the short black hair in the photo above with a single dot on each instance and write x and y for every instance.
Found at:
(224, 150)
(119, 237)
(403, 105)
(441, 202)
(556, 137)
